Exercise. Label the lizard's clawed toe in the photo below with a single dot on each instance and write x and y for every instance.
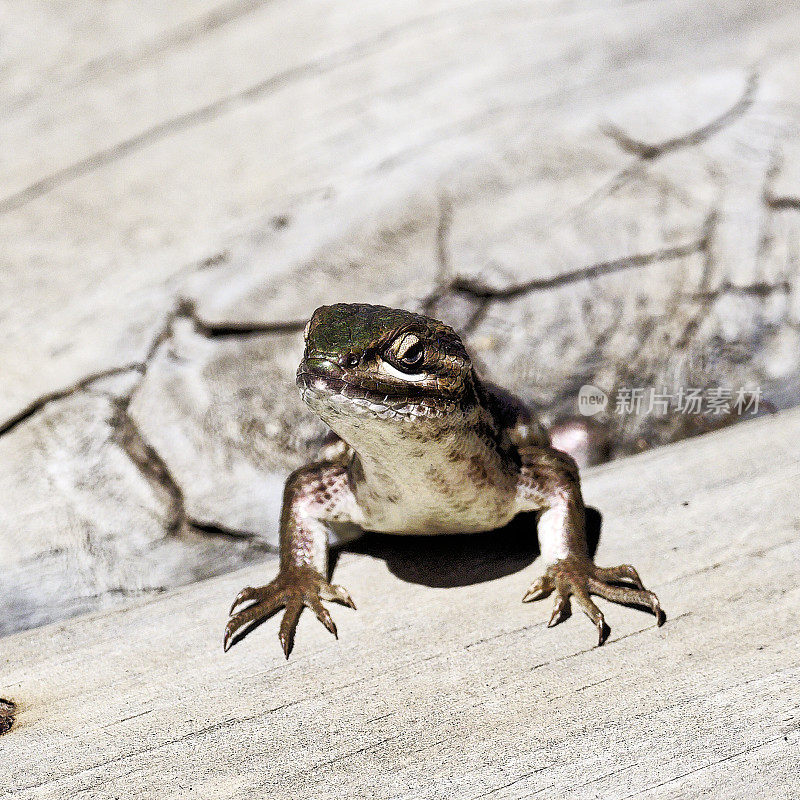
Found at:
(289, 624)
(603, 632)
(324, 616)
(338, 594)
(248, 616)
(621, 574)
(248, 593)
(580, 578)
(540, 588)
(293, 590)
(562, 609)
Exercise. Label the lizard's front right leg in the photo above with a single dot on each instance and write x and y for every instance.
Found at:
(550, 483)
(314, 496)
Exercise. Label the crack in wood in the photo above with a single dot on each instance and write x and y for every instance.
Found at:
(154, 468)
(146, 458)
(637, 260)
(776, 202)
(443, 228)
(204, 114)
(649, 151)
(641, 792)
(83, 384)
(510, 783)
(179, 36)
(444, 264)
(220, 330)
(484, 295)
(149, 462)
(769, 198)
(758, 289)
(348, 754)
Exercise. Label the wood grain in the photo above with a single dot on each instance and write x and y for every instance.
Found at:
(457, 692)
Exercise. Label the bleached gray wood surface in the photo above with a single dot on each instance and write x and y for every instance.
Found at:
(457, 692)
(592, 192)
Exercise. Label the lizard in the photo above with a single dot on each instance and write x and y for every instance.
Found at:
(420, 444)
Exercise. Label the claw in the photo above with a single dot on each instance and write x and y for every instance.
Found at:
(337, 594)
(294, 589)
(248, 593)
(288, 626)
(230, 631)
(628, 595)
(234, 624)
(540, 588)
(323, 615)
(581, 594)
(561, 610)
(246, 616)
(624, 572)
(579, 577)
(633, 576)
(603, 632)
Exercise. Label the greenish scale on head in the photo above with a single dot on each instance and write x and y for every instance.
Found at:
(353, 327)
(378, 352)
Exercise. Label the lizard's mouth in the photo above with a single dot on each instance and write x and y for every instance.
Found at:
(322, 391)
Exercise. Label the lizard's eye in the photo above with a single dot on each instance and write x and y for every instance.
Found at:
(409, 350)
(351, 360)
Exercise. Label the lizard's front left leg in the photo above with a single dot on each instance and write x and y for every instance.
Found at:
(550, 483)
(314, 496)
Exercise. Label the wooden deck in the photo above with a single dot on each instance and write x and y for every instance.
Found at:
(462, 691)
(591, 192)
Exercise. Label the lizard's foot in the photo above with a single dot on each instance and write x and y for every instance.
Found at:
(293, 589)
(580, 578)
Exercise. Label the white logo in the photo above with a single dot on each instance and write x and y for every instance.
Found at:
(591, 400)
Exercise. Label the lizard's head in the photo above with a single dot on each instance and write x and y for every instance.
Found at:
(365, 361)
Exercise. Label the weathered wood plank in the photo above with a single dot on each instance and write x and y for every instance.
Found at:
(457, 692)
(120, 182)
(261, 157)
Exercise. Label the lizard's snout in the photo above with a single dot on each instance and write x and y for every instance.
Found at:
(319, 372)
(325, 366)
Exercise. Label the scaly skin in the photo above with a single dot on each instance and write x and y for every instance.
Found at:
(420, 445)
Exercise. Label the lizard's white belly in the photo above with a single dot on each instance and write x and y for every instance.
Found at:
(428, 475)
(434, 494)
